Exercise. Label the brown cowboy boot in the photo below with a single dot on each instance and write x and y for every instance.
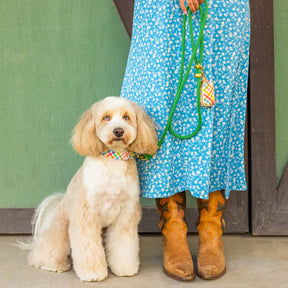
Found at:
(211, 259)
(177, 260)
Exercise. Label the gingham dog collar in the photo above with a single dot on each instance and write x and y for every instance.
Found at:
(119, 156)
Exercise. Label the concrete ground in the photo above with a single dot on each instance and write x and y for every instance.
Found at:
(253, 262)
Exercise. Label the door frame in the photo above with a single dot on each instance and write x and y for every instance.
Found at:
(269, 203)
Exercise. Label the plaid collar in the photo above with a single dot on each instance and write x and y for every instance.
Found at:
(120, 156)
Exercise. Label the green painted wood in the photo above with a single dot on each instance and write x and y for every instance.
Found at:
(281, 84)
(56, 59)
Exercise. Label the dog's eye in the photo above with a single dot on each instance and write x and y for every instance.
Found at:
(125, 117)
(106, 118)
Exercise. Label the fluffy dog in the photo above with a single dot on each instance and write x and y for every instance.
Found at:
(104, 193)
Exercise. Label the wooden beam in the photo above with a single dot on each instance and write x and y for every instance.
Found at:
(125, 9)
(262, 113)
(18, 220)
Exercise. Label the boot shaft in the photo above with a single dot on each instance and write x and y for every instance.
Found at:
(211, 212)
(172, 210)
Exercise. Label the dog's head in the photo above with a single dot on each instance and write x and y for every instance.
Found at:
(114, 123)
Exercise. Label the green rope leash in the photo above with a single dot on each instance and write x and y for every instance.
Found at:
(182, 81)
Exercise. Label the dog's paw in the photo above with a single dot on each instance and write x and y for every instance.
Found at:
(54, 265)
(58, 269)
(127, 269)
(93, 276)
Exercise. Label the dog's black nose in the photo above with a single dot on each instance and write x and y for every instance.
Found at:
(118, 132)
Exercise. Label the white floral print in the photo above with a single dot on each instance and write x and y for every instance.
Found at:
(213, 159)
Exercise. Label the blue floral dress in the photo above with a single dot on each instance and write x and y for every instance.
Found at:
(214, 158)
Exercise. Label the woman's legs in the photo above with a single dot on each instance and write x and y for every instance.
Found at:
(211, 259)
(177, 260)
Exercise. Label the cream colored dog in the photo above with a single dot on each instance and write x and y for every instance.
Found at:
(104, 193)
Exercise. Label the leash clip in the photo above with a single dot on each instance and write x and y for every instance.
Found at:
(202, 73)
(145, 157)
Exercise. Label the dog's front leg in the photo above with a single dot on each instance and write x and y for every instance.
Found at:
(88, 253)
(122, 242)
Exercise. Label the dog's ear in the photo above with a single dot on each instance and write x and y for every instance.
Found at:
(146, 139)
(84, 138)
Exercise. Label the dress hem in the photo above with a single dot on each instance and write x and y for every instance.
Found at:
(204, 197)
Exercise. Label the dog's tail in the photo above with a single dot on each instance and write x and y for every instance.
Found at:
(42, 219)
